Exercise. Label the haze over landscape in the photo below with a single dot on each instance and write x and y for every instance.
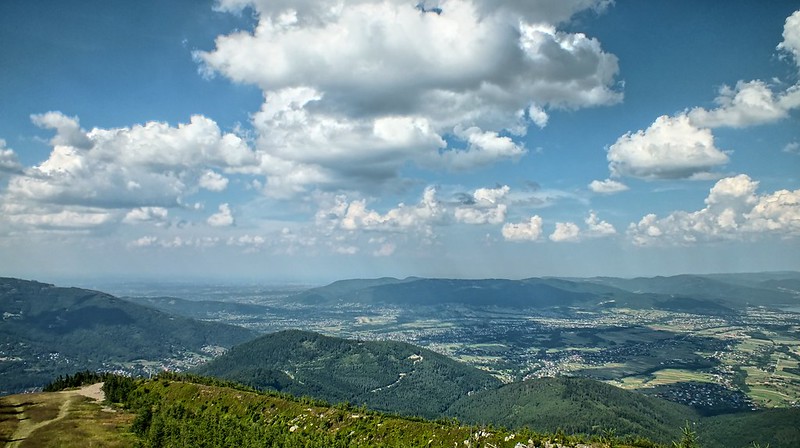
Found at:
(325, 140)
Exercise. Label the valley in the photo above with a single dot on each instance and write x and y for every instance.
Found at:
(715, 354)
(48, 331)
(579, 355)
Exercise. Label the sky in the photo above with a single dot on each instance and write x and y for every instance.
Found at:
(313, 140)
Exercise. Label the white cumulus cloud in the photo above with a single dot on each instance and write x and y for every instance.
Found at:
(597, 228)
(524, 231)
(791, 37)
(570, 232)
(356, 90)
(157, 215)
(471, 215)
(223, 218)
(355, 215)
(213, 181)
(566, 232)
(68, 129)
(607, 186)
(671, 148)
(153, 165)
(682, 146)
(9, 162)
(29, 217)
(733, 210)
(748, 104)
(484, 207)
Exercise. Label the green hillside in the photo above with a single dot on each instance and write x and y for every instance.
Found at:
(47, 331)
(174, 410)
(576, 406)
(401, 378)
(771, 427)
(387, 375)
(193, 414)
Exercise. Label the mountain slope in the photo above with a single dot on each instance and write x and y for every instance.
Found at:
(576, 406)
(425, 291)
(174, 412)
(389, 376)
(723, 289)
(342, 290)
(771, 427)
(48, 330)
(686, 294)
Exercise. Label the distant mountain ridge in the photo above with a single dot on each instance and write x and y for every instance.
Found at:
(431, 291)
(48, 330)
(706, 294)
(727, 288)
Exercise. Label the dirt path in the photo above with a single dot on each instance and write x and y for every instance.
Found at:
(26, 427)
(94, 391)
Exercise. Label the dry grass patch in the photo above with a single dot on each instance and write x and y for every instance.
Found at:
(62, 419)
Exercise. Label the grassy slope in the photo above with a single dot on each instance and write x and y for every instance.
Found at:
(62, 419)
(182, 413)
(196, 414)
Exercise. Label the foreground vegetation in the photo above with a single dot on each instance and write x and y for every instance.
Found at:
(187, 410)
(194, 411)
(63, 419)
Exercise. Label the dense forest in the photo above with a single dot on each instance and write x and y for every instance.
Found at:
(577, 406)
(383, 375)
(401, 378)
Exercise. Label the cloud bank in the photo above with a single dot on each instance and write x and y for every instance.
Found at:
(733, 211)
(354, 90)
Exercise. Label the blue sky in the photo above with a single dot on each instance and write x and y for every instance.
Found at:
(314, 140)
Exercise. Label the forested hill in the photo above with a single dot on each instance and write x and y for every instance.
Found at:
(47, 331)
(387, 375)
(575, 405)
(401, 378)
